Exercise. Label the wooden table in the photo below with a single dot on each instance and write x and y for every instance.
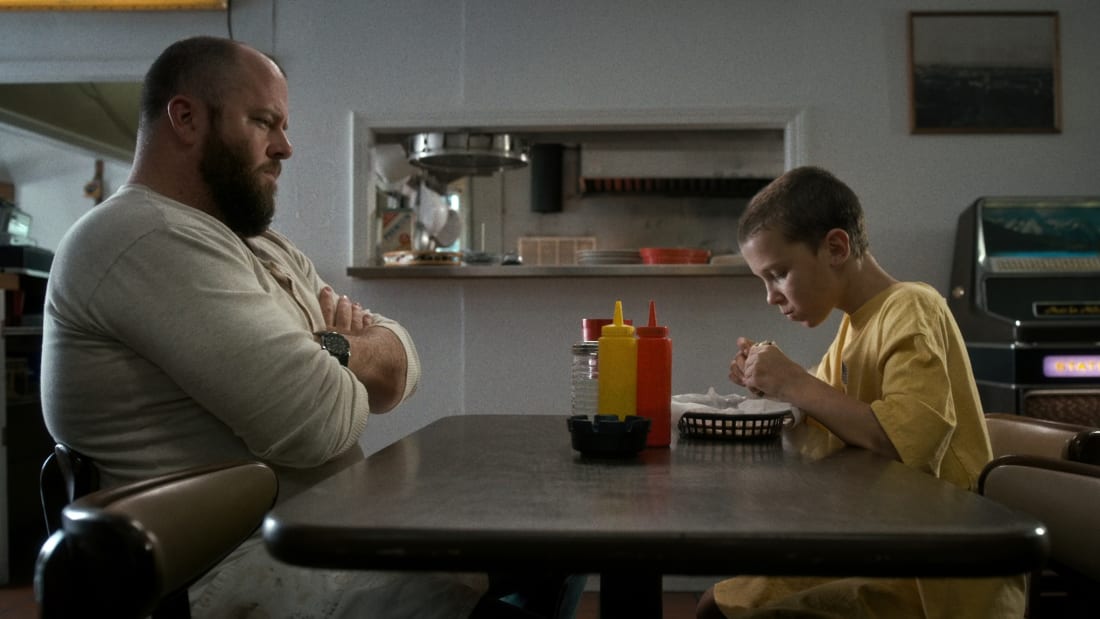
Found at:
(503, 492)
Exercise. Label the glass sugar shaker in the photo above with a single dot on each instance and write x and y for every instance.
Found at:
(585, 378)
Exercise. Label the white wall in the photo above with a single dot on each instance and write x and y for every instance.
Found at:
(49, 179)
(502, 346)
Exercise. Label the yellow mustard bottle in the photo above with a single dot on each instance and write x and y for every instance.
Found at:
(618, 368)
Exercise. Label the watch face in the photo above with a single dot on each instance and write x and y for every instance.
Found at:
(337, 345)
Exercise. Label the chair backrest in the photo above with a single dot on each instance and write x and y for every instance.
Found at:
(65, 476)
(1026, 436)
(123, 550)
(1064, 495)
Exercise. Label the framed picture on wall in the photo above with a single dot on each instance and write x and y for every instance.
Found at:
(984, 72)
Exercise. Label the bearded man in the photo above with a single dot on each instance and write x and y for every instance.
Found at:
(180, 330)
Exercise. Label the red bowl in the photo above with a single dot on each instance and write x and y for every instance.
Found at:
(674, 255)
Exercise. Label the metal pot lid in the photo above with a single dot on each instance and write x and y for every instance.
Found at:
(466, 153)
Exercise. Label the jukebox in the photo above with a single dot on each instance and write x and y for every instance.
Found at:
(1025, 291)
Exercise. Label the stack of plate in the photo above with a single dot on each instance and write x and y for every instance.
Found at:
(608, 256)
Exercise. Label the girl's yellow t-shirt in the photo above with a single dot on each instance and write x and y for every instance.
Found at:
(904, 355)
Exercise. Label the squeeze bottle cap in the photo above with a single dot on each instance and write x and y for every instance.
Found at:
(617, 328)
(652, 330)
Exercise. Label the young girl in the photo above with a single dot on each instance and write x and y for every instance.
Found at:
(896, 380)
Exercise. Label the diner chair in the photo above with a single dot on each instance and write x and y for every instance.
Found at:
(131, 551)
(65, 476)
(1011, 434)
(1065, 496)
(1022, 435)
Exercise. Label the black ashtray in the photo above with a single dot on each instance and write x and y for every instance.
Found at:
(606, 436)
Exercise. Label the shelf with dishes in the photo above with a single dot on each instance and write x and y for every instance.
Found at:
(568, 271)
(644, 262)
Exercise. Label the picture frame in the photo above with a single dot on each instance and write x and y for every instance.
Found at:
(113, 5)
(984, 72)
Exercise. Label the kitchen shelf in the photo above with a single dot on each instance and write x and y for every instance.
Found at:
(571, 272)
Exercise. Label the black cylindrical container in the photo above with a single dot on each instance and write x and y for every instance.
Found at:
(545, 162)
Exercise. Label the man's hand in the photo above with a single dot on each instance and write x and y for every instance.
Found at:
(343, 316)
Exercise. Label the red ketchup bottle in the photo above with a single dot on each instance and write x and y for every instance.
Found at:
(655, 380)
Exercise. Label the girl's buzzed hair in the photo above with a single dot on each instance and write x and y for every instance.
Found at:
(803, 205)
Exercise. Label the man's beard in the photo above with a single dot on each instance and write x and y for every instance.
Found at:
(245, 205)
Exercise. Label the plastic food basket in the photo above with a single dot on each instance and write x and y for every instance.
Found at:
(732, 427)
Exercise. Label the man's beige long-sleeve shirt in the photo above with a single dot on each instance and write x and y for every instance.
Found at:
(169, 342)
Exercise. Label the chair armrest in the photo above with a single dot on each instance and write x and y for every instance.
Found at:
(154, 537)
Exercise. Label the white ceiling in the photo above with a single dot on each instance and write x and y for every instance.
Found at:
(100, 116)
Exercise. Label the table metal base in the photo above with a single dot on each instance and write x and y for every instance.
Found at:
(630, 594)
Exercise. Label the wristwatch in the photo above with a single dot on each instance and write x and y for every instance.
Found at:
(336, 345)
